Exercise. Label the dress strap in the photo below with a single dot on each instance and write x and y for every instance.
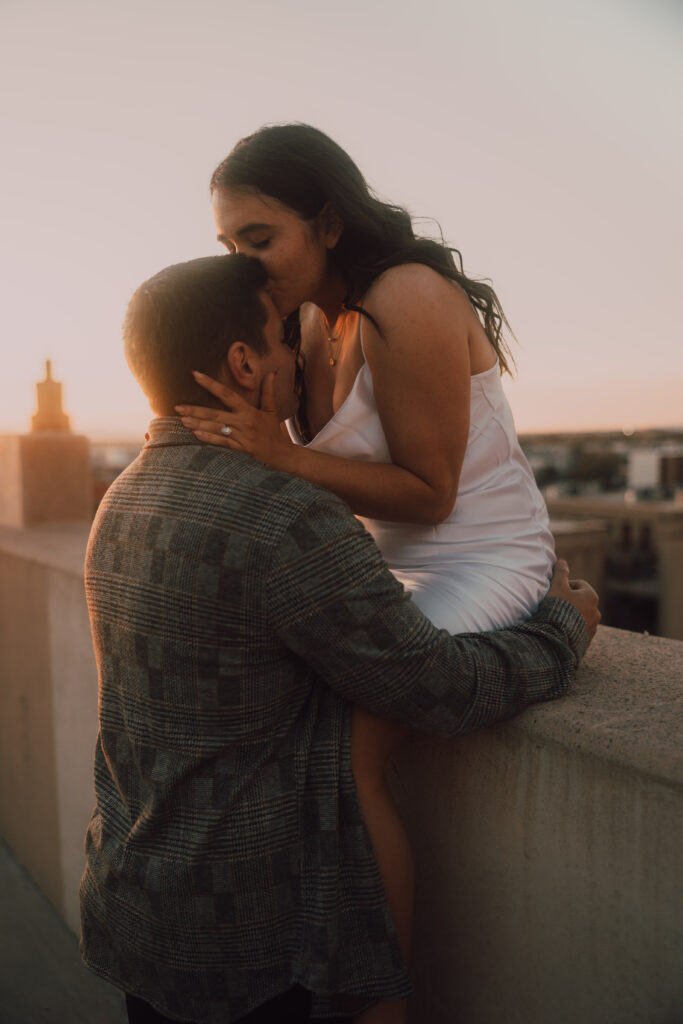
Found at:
(360, 336)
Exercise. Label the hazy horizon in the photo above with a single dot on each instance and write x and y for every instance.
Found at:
(130, 439)
(545, 138)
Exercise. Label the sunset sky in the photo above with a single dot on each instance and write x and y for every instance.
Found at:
(546, 137)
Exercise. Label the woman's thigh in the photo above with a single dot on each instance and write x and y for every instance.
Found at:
(373, 739)
(470, 599)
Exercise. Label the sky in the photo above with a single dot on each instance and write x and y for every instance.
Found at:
(545, 137)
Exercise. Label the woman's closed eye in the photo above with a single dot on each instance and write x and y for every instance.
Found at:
(261, 243)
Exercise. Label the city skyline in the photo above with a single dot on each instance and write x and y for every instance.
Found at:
(544, 138)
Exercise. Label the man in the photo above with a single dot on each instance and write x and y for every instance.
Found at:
(236, 614)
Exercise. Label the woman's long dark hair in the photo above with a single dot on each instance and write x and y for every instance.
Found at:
(303, 168)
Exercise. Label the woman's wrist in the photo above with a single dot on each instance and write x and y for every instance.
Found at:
(288, 457)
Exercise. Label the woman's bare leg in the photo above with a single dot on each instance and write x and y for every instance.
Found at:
(372, 741)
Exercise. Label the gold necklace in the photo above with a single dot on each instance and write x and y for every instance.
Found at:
(331, 340)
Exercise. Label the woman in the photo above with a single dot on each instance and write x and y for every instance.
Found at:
(402, 414)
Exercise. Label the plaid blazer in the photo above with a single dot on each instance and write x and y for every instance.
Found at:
(236, 612)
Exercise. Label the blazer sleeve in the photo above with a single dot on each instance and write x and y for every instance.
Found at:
(334, 603)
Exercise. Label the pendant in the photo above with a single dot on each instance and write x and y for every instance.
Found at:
(333, 362)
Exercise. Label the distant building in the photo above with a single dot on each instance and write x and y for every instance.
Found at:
(583, 544)
(46, 473)
(644, 559)
(671, 469)
(50, 415)
(107, 460)
(656, 472)
(643, 469)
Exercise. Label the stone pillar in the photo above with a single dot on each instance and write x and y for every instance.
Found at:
(669, 536)
(45, 475)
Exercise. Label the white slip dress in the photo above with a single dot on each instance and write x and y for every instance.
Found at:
(489, 564)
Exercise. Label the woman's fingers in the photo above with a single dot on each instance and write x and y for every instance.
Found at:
(216, 426)
(218, 440)
(203, 413)
(227, 397)
(238, 424)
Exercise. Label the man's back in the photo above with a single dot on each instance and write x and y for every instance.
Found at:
(215, 854)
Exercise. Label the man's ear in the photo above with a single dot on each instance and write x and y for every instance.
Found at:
(243, 365)
(329, 225)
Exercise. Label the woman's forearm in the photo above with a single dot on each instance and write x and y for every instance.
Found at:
(377, 490)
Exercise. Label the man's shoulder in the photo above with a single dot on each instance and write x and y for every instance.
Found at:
(283, 502)
(217, 486)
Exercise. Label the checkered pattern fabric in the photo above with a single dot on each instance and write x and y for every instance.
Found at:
(236, 611)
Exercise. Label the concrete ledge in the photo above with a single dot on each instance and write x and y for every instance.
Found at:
(549, 874)
(625, 706)
(56, 545)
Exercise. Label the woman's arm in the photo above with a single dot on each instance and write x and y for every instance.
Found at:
(420, 367)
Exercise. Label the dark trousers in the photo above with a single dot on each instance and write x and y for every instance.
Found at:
(292, 1007)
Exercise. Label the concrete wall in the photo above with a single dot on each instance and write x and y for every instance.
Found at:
(548, 849)
(48, 707)
(549, 852)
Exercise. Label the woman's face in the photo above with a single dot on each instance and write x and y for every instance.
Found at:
(293, 251)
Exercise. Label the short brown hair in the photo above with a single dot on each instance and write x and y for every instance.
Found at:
(186, 318)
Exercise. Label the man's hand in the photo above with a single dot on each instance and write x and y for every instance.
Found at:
(577, 592)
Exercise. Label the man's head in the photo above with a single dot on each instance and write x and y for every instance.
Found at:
(213, 315)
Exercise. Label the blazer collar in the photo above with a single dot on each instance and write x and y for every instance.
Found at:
(168, 431)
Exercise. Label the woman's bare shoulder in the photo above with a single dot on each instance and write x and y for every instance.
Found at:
(411, 286)
(415, 290)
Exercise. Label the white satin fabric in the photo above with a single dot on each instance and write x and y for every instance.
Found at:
(488, 565)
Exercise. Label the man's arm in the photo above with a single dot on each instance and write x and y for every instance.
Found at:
(335, 604)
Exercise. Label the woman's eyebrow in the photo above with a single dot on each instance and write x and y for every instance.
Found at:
(245, 231)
